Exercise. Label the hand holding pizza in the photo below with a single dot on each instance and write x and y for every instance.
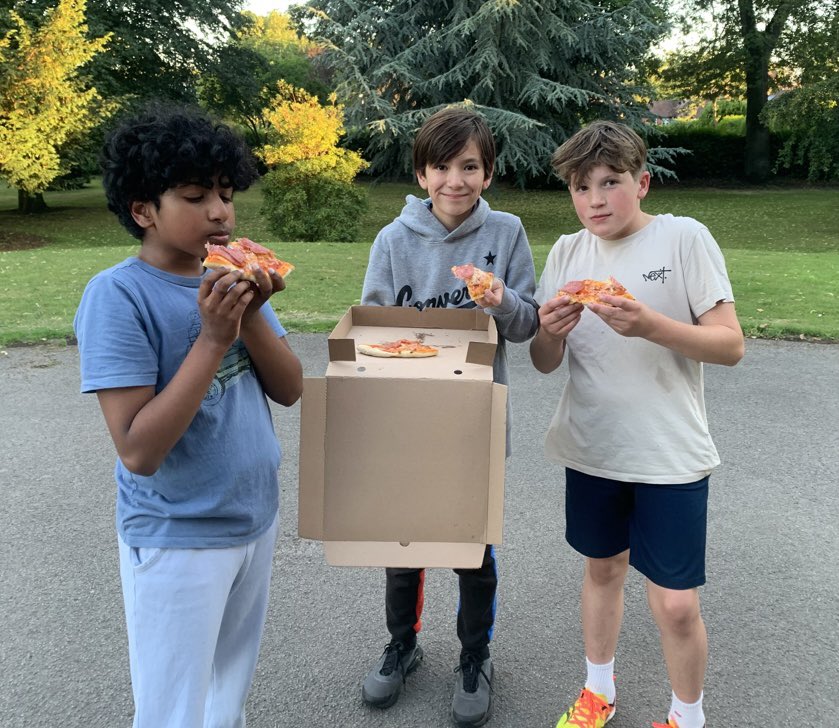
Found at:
(493, 296)
(627, 317)
(558, 316)
(223, 298)
(264, 286)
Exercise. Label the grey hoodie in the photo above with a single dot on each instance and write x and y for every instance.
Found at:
(411, 260)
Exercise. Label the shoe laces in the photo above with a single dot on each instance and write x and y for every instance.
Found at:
(393, 659)
(590, 710)
(471, 667)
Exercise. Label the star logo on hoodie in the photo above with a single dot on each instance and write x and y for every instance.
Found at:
(489, 258)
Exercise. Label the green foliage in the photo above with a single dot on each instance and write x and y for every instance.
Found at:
(810, 118)
(536, 71)
(316, 208)
(715, 152)
(722, 109)
(242, 78)
(766, 44)
(162, 46)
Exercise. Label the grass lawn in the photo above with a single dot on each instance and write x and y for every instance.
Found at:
(781, 247)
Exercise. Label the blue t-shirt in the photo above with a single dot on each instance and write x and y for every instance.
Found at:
(217, 487)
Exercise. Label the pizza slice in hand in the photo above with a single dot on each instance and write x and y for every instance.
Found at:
(242, 253)
(589, 291)
(478, 281)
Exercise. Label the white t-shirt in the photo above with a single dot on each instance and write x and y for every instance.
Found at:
(633, 410)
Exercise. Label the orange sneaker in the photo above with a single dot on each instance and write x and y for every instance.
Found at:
(590, 710)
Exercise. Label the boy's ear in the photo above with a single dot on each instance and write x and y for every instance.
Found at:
(488, 179)
(421, 178)
(141, 212)
(643, 184)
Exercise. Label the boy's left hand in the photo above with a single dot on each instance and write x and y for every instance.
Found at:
(265, 287)
(493, 296)
(625, 316)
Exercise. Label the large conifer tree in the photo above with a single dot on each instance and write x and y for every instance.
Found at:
(535, 68)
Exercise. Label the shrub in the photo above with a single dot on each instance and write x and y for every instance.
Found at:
(809, 119)
(315, 208)
(716, 152)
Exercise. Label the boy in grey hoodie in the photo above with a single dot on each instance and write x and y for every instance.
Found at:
(410, 265)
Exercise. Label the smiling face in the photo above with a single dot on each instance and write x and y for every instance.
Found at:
(608, 203)
(188, 216)
(455, 185)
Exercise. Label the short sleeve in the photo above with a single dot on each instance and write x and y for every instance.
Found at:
(115, 349)
(705, 274)
(548, 284)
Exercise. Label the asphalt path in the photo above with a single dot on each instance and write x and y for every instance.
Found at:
(770, 603)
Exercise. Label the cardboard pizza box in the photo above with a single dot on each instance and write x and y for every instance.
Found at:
(402, 460)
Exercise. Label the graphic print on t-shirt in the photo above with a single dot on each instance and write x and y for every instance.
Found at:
(458, 298)
(235, 363)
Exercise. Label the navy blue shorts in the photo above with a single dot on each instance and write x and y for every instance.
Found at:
(663, 526)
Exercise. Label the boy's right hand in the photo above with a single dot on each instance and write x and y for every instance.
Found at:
(222, 299)
(558, 316)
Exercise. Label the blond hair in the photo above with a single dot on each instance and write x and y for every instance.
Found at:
(601, 142)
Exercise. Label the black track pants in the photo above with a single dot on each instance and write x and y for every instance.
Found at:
(405, 595)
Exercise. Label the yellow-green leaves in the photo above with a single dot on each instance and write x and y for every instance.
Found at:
(43, 99)
(305, 137)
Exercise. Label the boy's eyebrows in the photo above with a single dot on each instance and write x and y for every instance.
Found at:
(451, 160)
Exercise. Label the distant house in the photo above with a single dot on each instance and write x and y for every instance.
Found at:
(666, 110)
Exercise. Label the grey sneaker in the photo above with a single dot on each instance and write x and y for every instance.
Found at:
(384, 682)
(473, 694)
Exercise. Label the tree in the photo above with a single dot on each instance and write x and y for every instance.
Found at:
(535, 70)
(809, 118)
(44, 101)
(163, 46)
(763, 45)
(243, 79)
(309, 192)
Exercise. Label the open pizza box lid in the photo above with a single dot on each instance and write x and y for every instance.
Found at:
(402, 460)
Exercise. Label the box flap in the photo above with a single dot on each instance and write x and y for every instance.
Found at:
(497, 463)
(408, 322)
(311, 475)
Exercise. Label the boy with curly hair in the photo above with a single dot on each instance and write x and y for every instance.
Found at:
(181, 362)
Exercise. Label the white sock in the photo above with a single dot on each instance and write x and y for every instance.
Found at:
(601, 679)
(687, 715)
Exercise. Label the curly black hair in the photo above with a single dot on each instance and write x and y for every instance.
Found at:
(167, 145)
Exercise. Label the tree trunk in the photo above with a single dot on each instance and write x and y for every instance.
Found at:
(758, 45)
(756, 163)
(30, 203)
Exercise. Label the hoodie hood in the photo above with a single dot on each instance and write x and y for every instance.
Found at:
(420, 220)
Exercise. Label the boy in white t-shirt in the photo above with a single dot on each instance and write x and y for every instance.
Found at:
(630, 427)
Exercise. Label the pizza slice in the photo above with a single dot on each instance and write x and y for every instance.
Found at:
(242, 253)
(589, 291)
(403, 348)
(478, 281)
